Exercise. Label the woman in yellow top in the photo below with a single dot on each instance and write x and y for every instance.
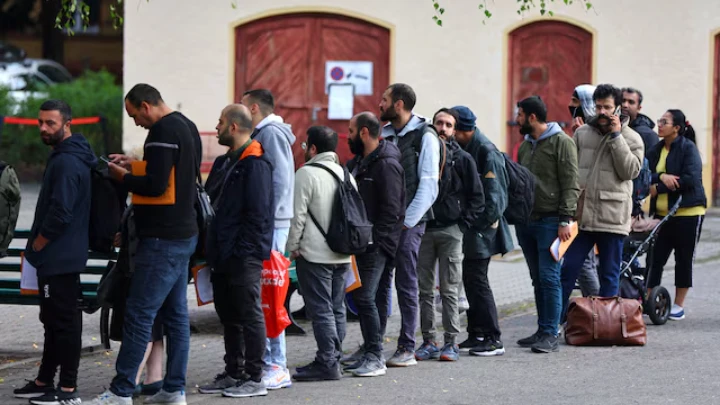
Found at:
(677, 171)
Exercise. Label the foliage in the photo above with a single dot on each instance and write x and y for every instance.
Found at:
(92, 94)
(523, 7)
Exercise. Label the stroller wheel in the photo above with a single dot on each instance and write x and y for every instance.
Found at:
(658, 305)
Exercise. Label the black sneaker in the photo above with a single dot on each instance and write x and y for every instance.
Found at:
(318, 372)
(547, 344)
(470, 342)
(58, 397)
(530, 340)
(32, 390)
(489, 347)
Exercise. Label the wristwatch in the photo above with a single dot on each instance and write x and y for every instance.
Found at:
(564, 224)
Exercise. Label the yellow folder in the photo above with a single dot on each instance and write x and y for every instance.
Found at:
(558, 248)
(167, 198)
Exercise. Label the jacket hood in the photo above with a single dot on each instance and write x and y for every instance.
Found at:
(254, 149)
(78, 146)
(415, 122)
(387, 150)
(584, 93)
(552, 130)
(277, 121)
(642, 120)
(328, 157)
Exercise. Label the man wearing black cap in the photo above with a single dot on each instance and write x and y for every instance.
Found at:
(490, 235)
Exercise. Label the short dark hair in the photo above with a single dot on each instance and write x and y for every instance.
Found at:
(534, 105)
(450, 112)
(368, 120)
(263, 98)
(324, 138)
(604, 91)
(632, 90)
(401, 91)
(143, 93)
(60, 106)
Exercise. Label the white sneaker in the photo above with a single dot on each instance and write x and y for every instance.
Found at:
(463, 304)
(677, 313)
(167, 398)
(108, 398)
(276, 377)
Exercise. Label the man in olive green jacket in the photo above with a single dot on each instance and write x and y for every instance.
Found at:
(610, 156)
(551, 156)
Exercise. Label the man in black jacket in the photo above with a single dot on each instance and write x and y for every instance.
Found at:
(379, 177)
(58, 249)
(239, 240)
(460, 202)
(641, 123)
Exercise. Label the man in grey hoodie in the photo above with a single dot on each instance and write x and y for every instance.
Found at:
(277, 139)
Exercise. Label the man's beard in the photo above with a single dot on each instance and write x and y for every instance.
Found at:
(225, 139)
(356, 145)
(526, 129)
(307, 156)
(53, 139)
(446, 137)
(388, 115)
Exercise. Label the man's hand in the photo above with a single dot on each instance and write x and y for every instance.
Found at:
(39, 243)
(116, 172)
(294, 255)
(577, 123)
(615, 124)
(653, 191)
(670, 181)
(564, 233)
(123, 161)
(118, 240)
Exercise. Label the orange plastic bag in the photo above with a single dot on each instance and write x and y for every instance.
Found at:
(275, 283)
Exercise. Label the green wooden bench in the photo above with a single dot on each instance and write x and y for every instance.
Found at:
(97, 263)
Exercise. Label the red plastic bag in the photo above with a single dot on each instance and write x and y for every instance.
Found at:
(275, 283)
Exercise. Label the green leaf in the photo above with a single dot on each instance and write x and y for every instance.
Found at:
(436, 5)
(588, 5)
(439, 22)
(441, 11)
(551, 14)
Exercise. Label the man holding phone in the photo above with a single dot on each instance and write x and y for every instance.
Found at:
(610, 156)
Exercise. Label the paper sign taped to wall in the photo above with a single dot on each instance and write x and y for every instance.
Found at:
(341, 102)
(358, 73)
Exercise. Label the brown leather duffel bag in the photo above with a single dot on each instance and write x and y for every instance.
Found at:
(598, 321)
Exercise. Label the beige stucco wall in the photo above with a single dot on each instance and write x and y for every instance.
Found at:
(184, 47)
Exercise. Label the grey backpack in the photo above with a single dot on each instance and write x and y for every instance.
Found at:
(9, 205)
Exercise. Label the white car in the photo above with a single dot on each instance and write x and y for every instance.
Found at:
(25, 79)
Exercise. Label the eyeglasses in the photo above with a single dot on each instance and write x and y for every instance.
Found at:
(303, 145)
(662, 122)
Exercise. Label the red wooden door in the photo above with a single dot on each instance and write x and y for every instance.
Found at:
(287, 55)
(548, 59)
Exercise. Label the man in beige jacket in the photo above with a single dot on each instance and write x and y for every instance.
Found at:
(610, 156)
(321, 271)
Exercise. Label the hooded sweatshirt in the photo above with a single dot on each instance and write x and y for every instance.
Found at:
(584, 93)
(644, 126)
(277, 139)
(62, 214)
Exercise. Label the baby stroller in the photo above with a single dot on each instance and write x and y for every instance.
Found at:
(633, 277)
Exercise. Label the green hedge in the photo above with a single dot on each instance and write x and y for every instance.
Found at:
(94, 93)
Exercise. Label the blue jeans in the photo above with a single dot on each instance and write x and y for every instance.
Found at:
(158, 286)
(535, 240)
(275, 351)
(610, 246)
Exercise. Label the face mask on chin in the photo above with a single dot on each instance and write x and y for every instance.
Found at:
(577, 112)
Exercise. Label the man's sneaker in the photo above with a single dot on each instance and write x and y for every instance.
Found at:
(276, 377)
(371, 367)
(319, 372)
(353, 358)
(470, 342)
(463, 304)
(222, 382)
(146, 390)
(489, 347)
(450, 352)
(530, 340)
(246, 389)
(349, 367)
(427, 351)
(167, 398)
(677, 313)
(402, 358)
(547, 344)
(58, 397)
(108, 398)
(32, 390)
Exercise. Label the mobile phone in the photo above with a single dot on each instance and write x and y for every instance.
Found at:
(104, 159)
(617, 111)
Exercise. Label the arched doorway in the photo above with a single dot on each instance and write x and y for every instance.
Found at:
(548, 59)
(287, 54)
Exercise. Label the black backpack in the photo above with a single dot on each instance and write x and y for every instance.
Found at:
(350, 231)
(108, 201)
(521, 190)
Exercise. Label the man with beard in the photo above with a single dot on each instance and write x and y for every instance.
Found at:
(239, 241)
(631, 105)
(455, 210)
(610, 156)
(551, 156)
(320, 270)
(379, 175)
(420, 158)
(58, 249)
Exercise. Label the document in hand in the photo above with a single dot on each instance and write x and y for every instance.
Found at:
(558, 248)
(28, 278)
(203, 284)
(352, 277)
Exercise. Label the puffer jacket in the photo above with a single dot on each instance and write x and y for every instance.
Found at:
(607, 164)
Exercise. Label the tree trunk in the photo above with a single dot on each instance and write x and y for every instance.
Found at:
(52, 37)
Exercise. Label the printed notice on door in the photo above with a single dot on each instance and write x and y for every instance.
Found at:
(358, 73)
(341, 102)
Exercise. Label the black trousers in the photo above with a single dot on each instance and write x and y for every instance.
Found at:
(682, 235)
(482, 315)
(236, 290)
(62, 320)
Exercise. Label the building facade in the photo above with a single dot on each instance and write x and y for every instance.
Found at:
(204, 56)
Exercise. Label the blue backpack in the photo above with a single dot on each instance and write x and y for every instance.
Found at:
(641, 184)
